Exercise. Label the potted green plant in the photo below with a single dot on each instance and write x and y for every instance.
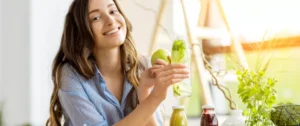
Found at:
(257, 92)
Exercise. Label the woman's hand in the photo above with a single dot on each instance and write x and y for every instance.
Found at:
(159, 77)
(148, 76)
(165, 77)
(148, 80)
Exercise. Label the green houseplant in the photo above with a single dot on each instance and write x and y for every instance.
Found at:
(257, 92)
(255, 89)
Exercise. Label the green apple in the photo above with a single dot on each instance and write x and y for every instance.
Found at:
(162, 54)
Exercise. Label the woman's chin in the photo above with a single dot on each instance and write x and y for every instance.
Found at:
(113, 44)
(110, 42)
(117, 43)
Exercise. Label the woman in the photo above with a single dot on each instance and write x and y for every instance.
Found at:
(98, 78)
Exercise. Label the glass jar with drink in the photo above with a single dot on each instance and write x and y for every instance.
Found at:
(181, 54)
(178, 117)
(208, 117)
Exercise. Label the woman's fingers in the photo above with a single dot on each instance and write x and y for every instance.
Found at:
(174, 71)
(161, 62)
(173, 81)
(172, 66)
(157, 66)
(168, 82)
(170, 74)
(155, 69)
(172, 78)
(176, 76)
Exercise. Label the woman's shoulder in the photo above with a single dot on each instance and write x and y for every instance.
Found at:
(67, 70)
(70, 79)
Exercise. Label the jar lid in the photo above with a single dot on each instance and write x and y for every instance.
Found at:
(178, 107)
(208, 107)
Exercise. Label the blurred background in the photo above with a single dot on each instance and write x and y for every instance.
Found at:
(30, 33)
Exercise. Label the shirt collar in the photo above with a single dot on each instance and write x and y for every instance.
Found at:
(98, 73)
(127, 85)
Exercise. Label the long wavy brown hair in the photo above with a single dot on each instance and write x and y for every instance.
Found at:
(76, 49)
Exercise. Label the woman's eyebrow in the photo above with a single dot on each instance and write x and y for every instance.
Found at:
(97, 10)
(93, 11)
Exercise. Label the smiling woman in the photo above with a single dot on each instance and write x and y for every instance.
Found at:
(98, 77)
(115, 33)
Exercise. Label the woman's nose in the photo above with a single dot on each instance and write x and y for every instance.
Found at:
(110, 21)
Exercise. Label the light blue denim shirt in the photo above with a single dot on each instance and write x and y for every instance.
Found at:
(90, 103)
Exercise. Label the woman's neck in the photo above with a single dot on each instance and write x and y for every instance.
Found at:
(109, 61)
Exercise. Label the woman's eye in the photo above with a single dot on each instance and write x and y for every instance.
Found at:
(96, 18)
(114, 11)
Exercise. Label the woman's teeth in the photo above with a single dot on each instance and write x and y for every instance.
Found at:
(112, 31)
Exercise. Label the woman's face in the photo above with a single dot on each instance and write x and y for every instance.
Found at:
(107, 24)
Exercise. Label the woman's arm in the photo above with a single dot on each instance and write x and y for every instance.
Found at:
(143, 94)
(146, 85)
(81, 111)
(144, 91)
(144, 112)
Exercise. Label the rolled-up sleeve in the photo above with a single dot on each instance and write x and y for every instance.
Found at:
(75, 102)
